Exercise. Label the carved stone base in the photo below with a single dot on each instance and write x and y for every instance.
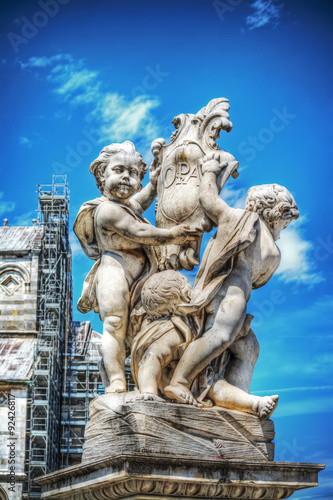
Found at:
(154, 450)
(118, 425)
(151, 477)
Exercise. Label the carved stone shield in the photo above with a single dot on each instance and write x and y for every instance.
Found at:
(179, 180)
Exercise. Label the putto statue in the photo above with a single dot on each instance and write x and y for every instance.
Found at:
(164, 339)
(191, 427)
(164, 333)
(189, 346)
(242, 256)
(112, 231)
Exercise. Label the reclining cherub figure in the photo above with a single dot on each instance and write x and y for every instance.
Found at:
(164, 334)
(241, 256)
(164, 337)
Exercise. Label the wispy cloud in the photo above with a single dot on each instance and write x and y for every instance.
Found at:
(304, 330)
(318, 365)
(296, 389)
(6, 206)
(24, 141)
(297, 259)
(233, 196)
(306, 406)
(25, 219)
(302, 400)
(122, 118)
(74, 82)
(29, 142)
(118, 117)
(265, 12)
(43, 61)
(298, 264)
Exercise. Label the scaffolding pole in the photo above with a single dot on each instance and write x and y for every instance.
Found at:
(54, 318)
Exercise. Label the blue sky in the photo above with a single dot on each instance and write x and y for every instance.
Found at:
(78, 75)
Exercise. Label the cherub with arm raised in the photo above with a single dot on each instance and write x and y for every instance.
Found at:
(242, 256)
(112, 231)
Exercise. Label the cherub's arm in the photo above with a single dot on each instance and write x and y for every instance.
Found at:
(216, 209)
(116, 219)
(143, 199)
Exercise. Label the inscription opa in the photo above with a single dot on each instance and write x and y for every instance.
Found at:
(180, 174)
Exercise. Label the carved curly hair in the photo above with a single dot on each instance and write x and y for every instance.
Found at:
(162, 292)
(99, 165)
(272, 201)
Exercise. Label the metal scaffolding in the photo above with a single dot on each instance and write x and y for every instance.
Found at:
(54, 315)
(81, 385)
(65, 369)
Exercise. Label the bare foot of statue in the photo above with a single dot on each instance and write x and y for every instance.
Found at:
(116, 386)
(149, 396)
(181, 394)
(267, 406)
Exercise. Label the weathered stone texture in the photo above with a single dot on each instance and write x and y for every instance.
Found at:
(116, 424)
(152, 476)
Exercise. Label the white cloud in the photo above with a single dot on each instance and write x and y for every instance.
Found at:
(306, 406)
(295, 389)
(265, 12)
(29, 142)
(6, 206)
(43, 62)
(297, 261)
(117, 117)
(91, 94)
(24, 141)
(302, 400)
(123, 118)
(25, 219)
(297, 258)
(233, 196)
(318, 365)
(72, 80)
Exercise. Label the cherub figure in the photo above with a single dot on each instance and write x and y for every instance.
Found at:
(164, 332)
(165, 335)
(241, 256)
(112, 231)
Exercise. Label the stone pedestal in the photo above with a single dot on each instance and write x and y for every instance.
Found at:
(147, 476)
(156, 450)
(119, 422)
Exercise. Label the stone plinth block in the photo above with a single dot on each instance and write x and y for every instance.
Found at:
(153, 476)
(119, 422)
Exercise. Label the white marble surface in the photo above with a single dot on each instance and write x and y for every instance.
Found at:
(193, 346)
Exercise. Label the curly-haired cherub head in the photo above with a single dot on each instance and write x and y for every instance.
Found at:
(274, 203)
(163, 292)
(113, 152)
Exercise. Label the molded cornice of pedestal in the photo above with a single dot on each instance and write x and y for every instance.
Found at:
(153, 476)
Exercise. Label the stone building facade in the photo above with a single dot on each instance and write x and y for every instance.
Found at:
(19, 263)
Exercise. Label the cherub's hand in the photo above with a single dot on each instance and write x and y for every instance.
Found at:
(154, 172)
(155, 166)
(185, 233)
(156, 146)
(212, 163)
